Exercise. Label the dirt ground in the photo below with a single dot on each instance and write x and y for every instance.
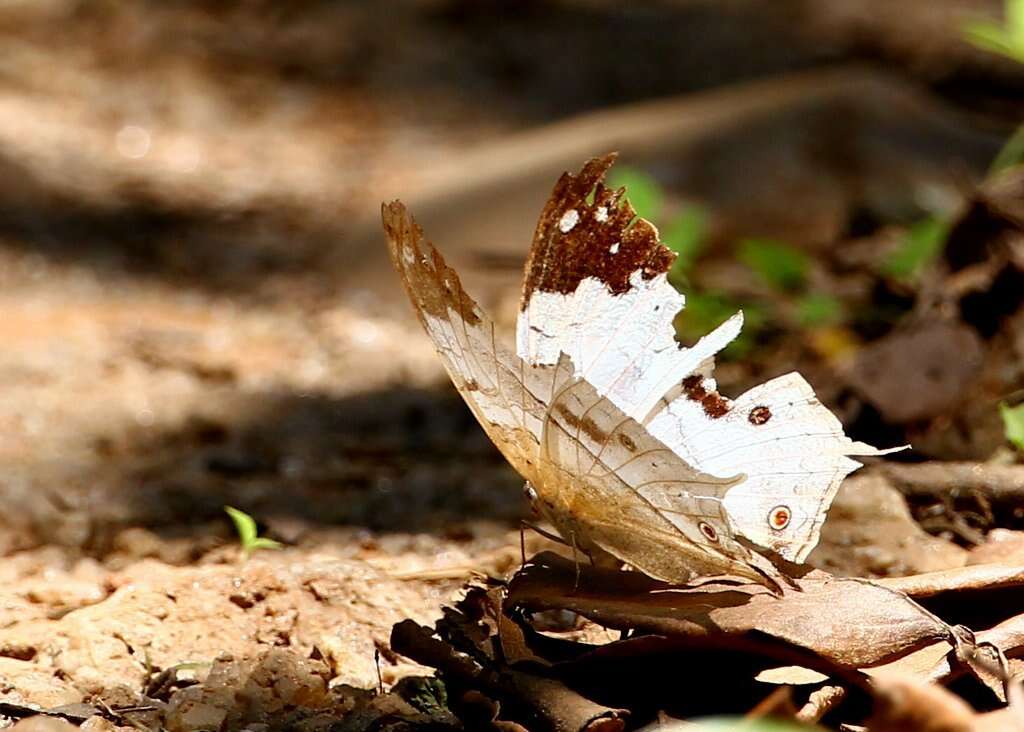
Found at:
(184, 192)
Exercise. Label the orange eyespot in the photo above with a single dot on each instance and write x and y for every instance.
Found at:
(779, 517)
(709, 531)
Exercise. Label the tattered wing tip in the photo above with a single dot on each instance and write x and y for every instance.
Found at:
(432, 285)
(604, 239)
(397, 224)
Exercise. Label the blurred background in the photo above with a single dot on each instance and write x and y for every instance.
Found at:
(197, 311)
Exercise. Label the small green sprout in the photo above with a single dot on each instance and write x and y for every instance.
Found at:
(248, 536)
(781, 266)
(922, 243)
(1013, 424)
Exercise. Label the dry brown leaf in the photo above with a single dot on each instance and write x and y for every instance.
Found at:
(907, 703)
(1002, 546)
(845, 623)
(938, 663)
(871, 533)
(888, 373)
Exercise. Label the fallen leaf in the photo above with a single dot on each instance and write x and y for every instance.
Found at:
(845, 623)
(918, 373)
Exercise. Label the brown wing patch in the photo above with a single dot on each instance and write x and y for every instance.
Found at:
(575, 239)
(585, 425)
(431, 283)
(714, 404)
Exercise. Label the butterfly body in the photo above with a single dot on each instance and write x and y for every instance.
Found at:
(632, 452)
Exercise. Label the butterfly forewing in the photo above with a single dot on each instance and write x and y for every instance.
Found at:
(596, 289)
(507, 397)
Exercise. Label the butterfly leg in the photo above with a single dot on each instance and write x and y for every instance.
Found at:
(576, 563)
(523, 525)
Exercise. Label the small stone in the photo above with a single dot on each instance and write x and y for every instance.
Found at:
(43, 723)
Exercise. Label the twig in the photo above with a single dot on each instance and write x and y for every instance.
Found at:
(999, 483)
(820, 703)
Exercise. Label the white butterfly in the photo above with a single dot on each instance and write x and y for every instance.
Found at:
(620, 430)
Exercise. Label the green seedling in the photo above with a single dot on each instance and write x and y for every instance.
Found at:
(781, 266)
(921, 244)
(1013, 424)
(248, 536)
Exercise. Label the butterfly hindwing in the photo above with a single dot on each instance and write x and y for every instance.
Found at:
(790, 449)
(606, 473)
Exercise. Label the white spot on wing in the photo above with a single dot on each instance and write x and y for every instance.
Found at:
(601, 214)
(614, 248)
(569, 219)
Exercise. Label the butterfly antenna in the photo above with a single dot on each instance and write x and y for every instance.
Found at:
(522, 543)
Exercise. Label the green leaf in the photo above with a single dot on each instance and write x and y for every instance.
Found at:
(1015, 21)
(922, 243)
(1013, 423)
(684, 235)
(248, 536)
(245, 525)
(990, 37)
(262, 542)
(781, 266)
(642, 190)
(1006, 39)
(818, 309)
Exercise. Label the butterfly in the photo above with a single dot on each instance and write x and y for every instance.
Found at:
(627, 447)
